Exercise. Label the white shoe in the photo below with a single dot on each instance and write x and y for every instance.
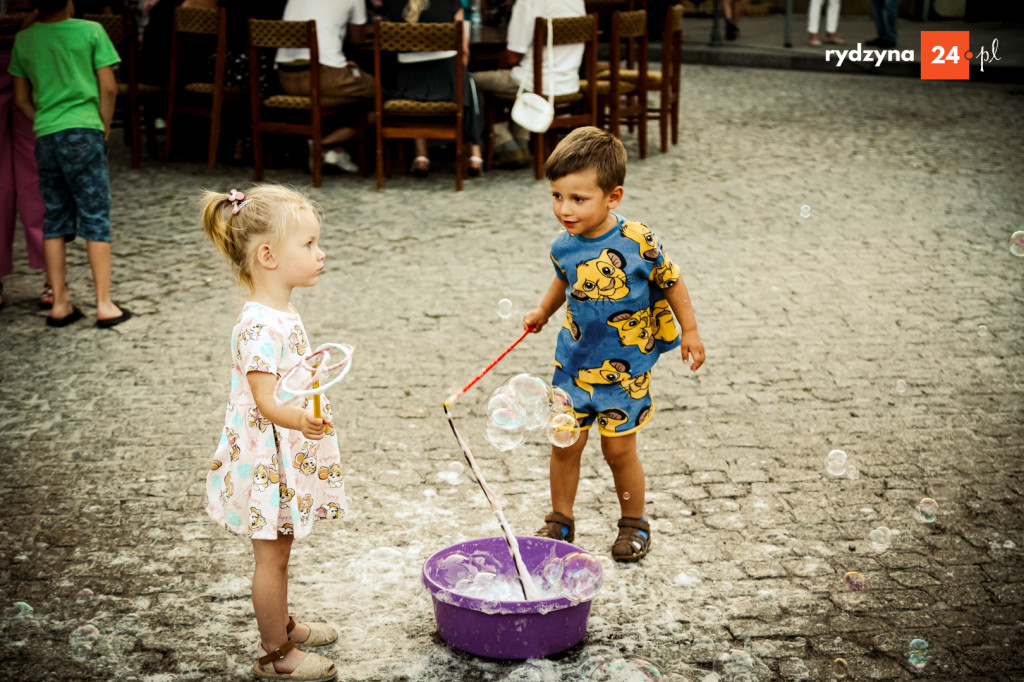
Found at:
(341, 159)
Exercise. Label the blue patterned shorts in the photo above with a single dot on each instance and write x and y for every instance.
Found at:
(75, 184)
(618, 407)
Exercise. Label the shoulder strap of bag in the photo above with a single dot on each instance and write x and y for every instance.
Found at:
(548, 64)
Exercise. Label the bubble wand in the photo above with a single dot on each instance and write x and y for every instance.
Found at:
(530, 591)
(317, 364)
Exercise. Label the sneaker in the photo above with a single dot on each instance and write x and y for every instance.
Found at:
(341, 159)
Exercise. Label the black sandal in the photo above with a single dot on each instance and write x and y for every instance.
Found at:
(552, 527)
(630, 545)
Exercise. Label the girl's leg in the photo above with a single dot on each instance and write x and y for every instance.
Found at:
(565, 475)
(814, 18)
(270, 598)
(620, 453)
(30, 203)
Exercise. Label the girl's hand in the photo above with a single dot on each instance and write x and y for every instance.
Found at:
(691, 344)
(534, 320)
(312, 427)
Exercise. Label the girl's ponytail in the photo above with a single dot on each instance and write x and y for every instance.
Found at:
(214, 205)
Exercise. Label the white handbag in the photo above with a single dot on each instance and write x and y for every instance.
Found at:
(530, 110)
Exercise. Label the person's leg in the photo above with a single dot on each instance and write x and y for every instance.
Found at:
(892, 13)
(565, 475)
(58, 219)
(877, 13)
(813, 20)
(30, 203)
(8, 177)
(628, 473)
(832, 18)
(84, 161)
(270, 598)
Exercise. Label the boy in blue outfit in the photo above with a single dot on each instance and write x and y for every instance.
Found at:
(64, 83)
(622, 292)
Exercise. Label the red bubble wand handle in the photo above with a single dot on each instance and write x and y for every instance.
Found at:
(485, 370)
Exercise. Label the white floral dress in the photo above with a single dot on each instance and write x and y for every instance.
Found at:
(265, 479)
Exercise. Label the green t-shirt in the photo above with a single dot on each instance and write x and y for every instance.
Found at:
(60, 60)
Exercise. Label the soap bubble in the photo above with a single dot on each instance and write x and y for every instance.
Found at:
(83, 594)
(852, 473)
(501, 438)
(927, 510)
(982, 330)
(839, 668)
(561, 402)
(625, 495)
(536, 415)
(504, 308)
(82, 640)
(563, 431)
(581, 576)
(853, 581)
(836, 463)
(503, 410)
(709, 615)
(551, 571)
(917, 654)
(18, 610)
(456, 567)
(456, 467)
(805, 211)
(901, 385)
(528, 389)
(1017, 243)
(626, 670)
(881, 539)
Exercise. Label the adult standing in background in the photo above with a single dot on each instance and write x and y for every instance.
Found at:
(731, 11)
(831, 22)
(886, 13)
(19, 179)
(339, 77)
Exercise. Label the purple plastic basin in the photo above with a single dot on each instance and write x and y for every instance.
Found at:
(515, 629)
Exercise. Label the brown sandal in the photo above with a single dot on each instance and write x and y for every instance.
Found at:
(314, 668)
(552, 527)
(320, 634)
(630, 545)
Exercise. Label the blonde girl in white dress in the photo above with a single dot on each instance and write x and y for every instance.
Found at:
(277, 469)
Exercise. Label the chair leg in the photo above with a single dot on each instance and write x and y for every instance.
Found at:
(257, 154)
(318, 159)
(538, 154)
(136, 134)
(675, 119)
(489, 161)
(664, 120)
(460, 159)
(168, 132)
(380, 157)
(215, 114)
(641, 130)
(364, 168)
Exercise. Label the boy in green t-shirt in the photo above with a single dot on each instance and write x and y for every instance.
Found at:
(64, 82)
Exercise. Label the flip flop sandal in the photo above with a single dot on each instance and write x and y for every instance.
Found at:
(314, 668)
(74, 316)
(320, 634)
(630, 545)
(46, 297)
(552, 527)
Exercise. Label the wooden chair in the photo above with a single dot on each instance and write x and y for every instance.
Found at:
(198, 98)
(404, 119)
(626, 100)
(667, 80)
(575, 109)
(133, 97)
(293, 114)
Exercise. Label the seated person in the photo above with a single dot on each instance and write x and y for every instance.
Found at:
(430, 77)
(338, 76)
(511, 142)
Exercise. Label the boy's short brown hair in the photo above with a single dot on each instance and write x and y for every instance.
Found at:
(589, 148)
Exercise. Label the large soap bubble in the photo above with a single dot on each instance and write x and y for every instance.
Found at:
(581, 576)
(563, 430)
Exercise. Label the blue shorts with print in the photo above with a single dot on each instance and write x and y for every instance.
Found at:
(619, 409)
(74, 184)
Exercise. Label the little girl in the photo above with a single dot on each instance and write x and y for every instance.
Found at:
(277, 468)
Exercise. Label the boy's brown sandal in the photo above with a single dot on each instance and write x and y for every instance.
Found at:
(320, 634)
(630, 545)
(552, 527)
(314, 668)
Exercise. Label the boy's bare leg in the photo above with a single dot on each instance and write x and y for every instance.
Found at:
(99, 261)
(270, 598)
(620, 453)
(565, 475)
(54, 252)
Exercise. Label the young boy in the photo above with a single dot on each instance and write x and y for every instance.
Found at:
(64, 82)
(619, 285)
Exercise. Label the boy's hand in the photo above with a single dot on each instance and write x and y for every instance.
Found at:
(312, 427)
(534, 320)
(691, 344)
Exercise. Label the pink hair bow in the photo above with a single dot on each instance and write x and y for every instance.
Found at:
(237, 198)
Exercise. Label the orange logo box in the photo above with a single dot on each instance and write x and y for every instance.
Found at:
(945, 55)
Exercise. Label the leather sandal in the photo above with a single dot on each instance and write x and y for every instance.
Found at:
(552, 527)
(420, 167)
(320, 634)
(630, 545)
(475, 171)
(314, 668)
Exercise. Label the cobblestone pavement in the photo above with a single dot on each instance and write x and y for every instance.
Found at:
(914, 189)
